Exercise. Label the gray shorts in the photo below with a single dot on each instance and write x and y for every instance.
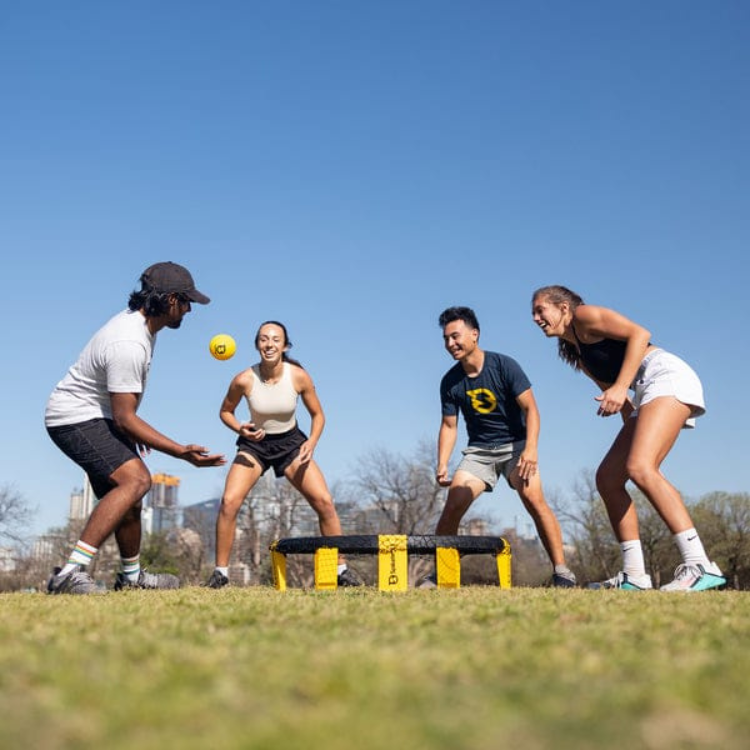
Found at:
(488, 462)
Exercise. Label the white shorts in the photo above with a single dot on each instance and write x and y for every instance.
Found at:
(665, 374)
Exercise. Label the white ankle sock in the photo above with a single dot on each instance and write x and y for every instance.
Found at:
(632, 558)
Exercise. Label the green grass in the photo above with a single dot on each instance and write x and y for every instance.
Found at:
(474, 668)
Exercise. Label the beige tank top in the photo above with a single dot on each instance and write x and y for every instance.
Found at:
(273, 406)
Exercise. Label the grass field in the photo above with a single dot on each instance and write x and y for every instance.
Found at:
(474, 668)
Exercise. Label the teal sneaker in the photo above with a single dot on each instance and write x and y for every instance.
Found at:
(625, 582)
(688, 577)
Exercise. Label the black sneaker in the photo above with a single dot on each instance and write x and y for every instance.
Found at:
(78, 581)
(217, 580)
(147, 580)
(564, 580)
(428, 582)
(348, 578)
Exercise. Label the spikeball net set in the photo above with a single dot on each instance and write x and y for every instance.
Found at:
(392, 552)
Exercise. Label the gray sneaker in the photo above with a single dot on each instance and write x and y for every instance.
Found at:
(147, 580)
(428, 582)
(217, 580)
(78, 581)
(566, 580)
(348, 578)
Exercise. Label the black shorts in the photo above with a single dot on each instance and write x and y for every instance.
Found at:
(97, 447)
(277, 451)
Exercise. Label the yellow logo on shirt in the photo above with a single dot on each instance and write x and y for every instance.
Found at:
(483, 400)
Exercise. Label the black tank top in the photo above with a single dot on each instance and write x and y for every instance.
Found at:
(603, 359)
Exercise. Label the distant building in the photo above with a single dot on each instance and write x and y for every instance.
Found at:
(82, 501)
(161, 504)
(7, 559)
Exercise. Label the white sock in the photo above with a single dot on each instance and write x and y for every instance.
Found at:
(223, 571)
(632, 558)
(341, 568)
(691, 548)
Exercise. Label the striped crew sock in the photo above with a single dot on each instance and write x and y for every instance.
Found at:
(82, 555)
(131, 567)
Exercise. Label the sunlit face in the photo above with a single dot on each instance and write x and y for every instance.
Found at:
(460, 340)
(179, 307)
(270, 342)
(550, 317)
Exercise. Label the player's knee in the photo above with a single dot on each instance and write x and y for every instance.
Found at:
(641, 472)
(134, 478)
(230, 505)
(608, 481)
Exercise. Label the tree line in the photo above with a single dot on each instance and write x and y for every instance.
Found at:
(388, 493)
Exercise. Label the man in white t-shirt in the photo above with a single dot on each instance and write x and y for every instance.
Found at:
(91, 416)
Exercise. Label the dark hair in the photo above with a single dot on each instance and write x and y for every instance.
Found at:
(151, 301)
(287, 341)
(458, 313)
(558, 294)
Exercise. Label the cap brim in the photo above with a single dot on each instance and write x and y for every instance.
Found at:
(195, 296)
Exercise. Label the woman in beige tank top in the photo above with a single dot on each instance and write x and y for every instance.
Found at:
(272, 439)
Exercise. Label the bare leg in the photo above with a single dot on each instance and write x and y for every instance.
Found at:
(243, 474)
(119, 511)
(464, 490)
(308, 479)
(658, 425)
(546, 523)
(611, 478)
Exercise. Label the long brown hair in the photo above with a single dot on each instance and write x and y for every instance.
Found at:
(557, 294)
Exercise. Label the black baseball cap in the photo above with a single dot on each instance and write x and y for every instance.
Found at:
(172, 278)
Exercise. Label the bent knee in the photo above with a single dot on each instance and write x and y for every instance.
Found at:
(133, 477)
(608, 480)
(642, 472)
(230, 505)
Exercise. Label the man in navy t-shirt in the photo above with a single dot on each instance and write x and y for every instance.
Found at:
(494, 396)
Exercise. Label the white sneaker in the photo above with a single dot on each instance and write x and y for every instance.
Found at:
(625, 582)
(689, 577)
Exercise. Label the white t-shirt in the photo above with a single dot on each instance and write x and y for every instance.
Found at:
(116, 360)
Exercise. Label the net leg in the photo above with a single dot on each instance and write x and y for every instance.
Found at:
(503, 567)
(448, 567)
(326, 568)
(393, 562)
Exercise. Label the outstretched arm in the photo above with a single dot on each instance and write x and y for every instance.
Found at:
(142, 433)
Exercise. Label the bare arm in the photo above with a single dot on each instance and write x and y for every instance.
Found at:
(141, 432)
(446, 443)
(529, 460)
(240, 386)
(304, 385)
(600, 322)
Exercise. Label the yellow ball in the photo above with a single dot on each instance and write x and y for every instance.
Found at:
(222, 346)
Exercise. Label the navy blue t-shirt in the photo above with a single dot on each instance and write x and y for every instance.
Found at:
(488, 401)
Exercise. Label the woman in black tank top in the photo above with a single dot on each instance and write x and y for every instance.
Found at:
(614, 351)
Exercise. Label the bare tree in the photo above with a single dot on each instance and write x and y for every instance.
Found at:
(586, 527)
(402, 492)
(15, 515)
(723, 520)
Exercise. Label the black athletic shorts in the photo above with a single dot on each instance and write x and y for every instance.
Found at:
(277, 451)
(97, 447)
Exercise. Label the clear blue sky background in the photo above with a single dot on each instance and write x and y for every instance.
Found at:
(352, 168)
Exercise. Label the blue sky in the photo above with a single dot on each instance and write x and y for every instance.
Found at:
(352, 168)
